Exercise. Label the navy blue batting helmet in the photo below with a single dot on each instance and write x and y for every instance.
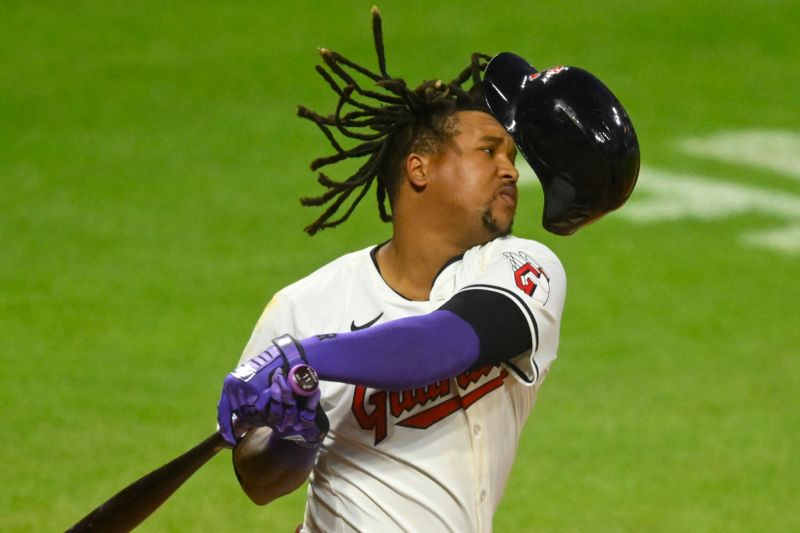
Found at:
(573, 132)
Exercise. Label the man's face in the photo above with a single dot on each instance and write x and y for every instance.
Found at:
(475, 179)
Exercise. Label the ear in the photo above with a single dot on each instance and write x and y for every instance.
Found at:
(417, 170)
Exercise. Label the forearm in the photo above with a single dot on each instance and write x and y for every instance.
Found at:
(406, 353)
(269, 468)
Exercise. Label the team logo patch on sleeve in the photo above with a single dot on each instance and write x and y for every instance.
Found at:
(529, 275)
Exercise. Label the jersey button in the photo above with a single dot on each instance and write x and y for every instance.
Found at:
(483, 495)
(476, 430)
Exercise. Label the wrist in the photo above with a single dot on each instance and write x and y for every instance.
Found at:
(290, 350)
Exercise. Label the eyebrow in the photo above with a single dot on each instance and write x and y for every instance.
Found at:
(498, 140)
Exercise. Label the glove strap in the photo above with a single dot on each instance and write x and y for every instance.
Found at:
(291, 350)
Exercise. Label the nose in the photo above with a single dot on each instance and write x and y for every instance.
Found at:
(508, 171)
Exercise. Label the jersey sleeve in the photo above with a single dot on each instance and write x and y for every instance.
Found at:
(514, 297)
(278, 318)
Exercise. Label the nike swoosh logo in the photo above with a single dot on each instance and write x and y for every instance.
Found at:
(353, 326)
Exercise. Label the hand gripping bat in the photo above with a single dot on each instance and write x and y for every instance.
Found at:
(132, 505)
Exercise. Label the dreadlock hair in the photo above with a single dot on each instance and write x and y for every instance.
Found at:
(389, 122)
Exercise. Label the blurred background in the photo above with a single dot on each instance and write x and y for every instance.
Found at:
(150, 169)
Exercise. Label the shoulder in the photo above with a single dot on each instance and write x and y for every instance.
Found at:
(316, 293)
(330, 277)
(515, 251)
(522, 268)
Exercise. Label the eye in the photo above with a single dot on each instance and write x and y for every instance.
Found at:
(489, 150)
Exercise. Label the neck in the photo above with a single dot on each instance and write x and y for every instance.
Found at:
(411, 260)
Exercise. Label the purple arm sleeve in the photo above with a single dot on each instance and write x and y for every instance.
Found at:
(401, 354)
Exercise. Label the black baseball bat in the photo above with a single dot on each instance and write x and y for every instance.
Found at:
(132, 505)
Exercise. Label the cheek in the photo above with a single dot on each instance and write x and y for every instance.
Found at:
(463, 184)
(465, 191)
(471, 178)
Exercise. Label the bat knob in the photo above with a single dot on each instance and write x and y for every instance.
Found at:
(303, 380)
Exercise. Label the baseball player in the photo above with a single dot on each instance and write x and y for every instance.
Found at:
(432, 346)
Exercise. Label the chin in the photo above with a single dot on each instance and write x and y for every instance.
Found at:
(504, 231)
(497, 226)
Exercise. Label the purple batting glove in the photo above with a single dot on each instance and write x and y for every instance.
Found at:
(294, 416)
(246, 392)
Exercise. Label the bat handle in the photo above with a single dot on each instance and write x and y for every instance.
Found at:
(303, 380)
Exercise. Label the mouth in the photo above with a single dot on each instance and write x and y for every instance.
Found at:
(508, 192)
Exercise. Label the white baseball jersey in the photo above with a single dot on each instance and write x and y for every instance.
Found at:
(436, 458)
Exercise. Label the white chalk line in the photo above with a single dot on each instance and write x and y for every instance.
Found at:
(774, 150)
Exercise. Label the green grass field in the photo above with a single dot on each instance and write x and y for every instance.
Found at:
(150, 165)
